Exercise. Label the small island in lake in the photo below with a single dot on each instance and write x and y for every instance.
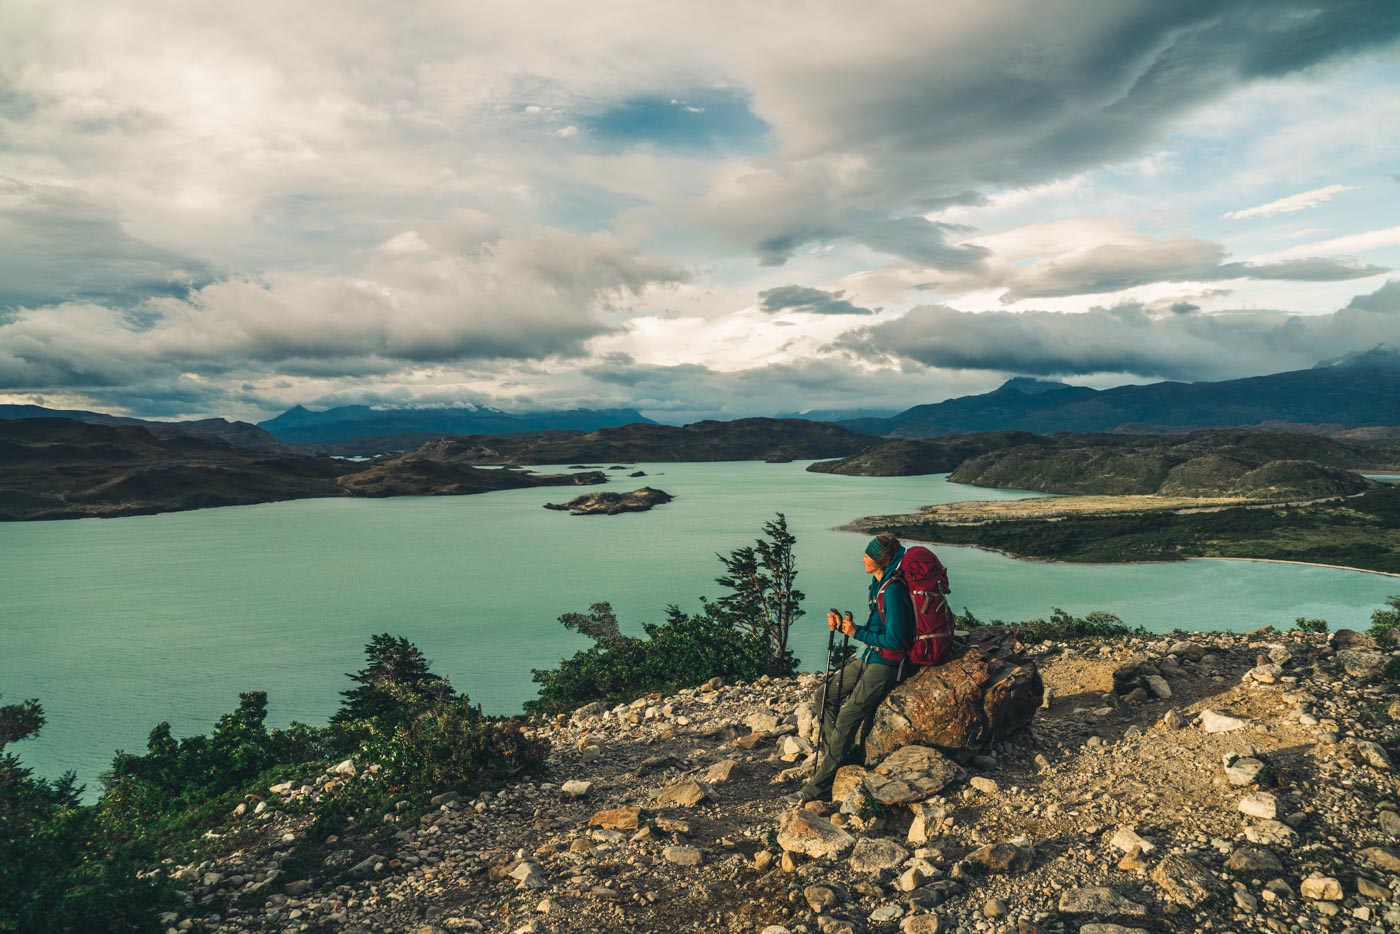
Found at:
(610, 504)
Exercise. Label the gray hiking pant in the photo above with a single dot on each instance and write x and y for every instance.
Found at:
(858, 689)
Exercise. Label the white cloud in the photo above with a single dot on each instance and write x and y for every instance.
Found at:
(1292, 203)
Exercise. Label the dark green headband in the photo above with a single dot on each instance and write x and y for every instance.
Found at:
(874, 549)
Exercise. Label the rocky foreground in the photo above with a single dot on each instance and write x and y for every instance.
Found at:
(1218, 783)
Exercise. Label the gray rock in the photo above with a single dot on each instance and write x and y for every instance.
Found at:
(1158, 686)
(685, 794)
(367, 866)
(1244, 771)
(1260, 804)
(805, 833)
(576, 788)
(1012, 857)
(1126, 838)
(875, 854)
(821, 897)
(682, 855)
(1184, 881)
(1318, 887)
(447, 797)
(1215, 722)
(886, 913)
(1255, 860)
(1100, 900)
(1361, 664)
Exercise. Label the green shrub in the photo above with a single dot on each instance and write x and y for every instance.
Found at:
(1386, 622)
(1302, 624)
(1060, 627)
(682, 652)
(60, 872)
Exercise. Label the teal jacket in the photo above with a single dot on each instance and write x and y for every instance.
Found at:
(894, 632)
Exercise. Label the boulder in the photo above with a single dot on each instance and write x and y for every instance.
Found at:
(1014, 856)
(986, 692)
(876, 854)
(684, 794)
(910, 775)
(1100, 900)
(1183, 880)
(806, 833)
(1361, 663)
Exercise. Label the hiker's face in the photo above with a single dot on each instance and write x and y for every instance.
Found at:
(870, 566)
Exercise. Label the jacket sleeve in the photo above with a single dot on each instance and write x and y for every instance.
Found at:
(892, 634)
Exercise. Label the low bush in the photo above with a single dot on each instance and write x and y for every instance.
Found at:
(1303, 624)
(1060, 627)
(682, 652)
(1385, 622)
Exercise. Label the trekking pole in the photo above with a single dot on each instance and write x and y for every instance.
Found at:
(826, 685)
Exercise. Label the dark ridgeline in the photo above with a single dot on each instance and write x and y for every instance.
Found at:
(1356, 391)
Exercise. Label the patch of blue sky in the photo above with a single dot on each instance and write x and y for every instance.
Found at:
(699, 119)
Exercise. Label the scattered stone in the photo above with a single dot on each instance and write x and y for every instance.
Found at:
(1099, 900)
(1243, 771)
(1365, 887)
(686, 794)
(682, 855)
(1011, 857)
(1362, 664)
(820, 897)
(1158, 686)
(1383, 858)
(1321, 888)
(1374, 755)
(875, 854)
(984, 785)
(1270, 833)
(724, 771)
(1255, 860)
(1126, 839)
(1260, 804)
(805, 833)
(923, 924)
(886, 913)
(575, 788)
(1215, 722)
(624, 818)
(1183, 880)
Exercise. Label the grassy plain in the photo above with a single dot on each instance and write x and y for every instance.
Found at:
(1357, 531)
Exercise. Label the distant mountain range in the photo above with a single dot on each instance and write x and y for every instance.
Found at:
(352, 429)
(412, 427)
(1361, 389)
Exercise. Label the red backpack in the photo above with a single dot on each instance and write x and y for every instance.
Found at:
(927, 580)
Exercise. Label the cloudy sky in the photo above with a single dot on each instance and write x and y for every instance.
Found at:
(694, 209)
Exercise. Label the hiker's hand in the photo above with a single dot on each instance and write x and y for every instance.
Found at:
(848, 625)
(832, 620)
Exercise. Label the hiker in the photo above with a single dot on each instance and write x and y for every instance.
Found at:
(852, 694)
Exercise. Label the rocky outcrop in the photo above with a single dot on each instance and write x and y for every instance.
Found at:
(610, 504)
(986, 693)
(1114, 812)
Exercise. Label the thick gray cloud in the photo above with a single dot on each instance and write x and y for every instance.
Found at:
(59, 244)
(1128, 339)
(809, 300)
(1113, 267)
(941, 103)
(519, 296)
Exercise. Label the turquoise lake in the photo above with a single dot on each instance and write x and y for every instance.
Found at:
(117, 624)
